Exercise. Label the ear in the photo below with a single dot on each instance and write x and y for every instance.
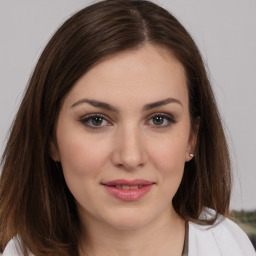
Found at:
(192, 140)
(54, 152)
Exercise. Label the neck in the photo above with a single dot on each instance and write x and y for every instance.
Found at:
(164, 236)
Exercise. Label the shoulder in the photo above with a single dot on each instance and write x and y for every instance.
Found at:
(13, 248)
(223, 238)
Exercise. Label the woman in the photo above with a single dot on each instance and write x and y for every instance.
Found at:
(118, 147)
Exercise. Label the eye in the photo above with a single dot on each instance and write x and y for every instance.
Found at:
(161, 120)
(95, 121)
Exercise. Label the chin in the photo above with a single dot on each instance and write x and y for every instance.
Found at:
(129, 220)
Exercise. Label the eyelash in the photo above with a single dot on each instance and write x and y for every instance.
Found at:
(85, 120)
(88, 118)
(170, 120)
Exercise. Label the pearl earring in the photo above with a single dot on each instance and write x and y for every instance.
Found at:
(191, 155)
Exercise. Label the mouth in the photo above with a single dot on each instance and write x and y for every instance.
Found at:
(128, 190)
(126, 187)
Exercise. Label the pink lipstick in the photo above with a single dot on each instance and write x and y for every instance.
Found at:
(128, 190)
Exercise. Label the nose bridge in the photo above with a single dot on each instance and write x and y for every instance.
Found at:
(130, 150)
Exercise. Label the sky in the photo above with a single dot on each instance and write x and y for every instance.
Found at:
(223, 31)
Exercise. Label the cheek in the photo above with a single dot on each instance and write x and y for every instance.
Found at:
(171, 168)
(81, 156)
(82, 163)
(169, 158)
(170, 154)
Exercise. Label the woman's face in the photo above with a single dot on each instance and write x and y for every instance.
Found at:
(123, 137)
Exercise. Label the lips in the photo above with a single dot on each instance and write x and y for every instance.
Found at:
(126, 187)
(128, 190)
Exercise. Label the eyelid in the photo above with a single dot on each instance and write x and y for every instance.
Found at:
(168, 116)
(87, 117)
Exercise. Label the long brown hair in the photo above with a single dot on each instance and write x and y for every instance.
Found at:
(35, 203)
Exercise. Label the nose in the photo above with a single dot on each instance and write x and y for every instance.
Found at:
(129, 149)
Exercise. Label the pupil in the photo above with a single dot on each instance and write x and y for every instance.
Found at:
(97, 121)
(158, 120)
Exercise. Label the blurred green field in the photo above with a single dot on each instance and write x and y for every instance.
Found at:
(247, 221)
(249, 229)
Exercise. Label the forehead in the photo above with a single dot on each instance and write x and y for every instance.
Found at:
(145, 74)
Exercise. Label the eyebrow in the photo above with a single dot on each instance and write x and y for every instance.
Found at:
(104, 105)
(96, 103)
(161, 103)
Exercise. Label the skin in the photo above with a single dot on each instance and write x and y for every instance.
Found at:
(130, 143)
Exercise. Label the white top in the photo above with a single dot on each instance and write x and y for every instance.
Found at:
(224, 239)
